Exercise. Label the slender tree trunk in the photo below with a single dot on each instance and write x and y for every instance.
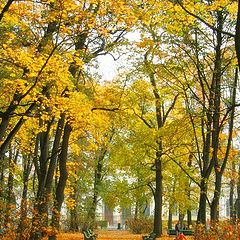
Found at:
(23, 224)
(237, 48)
(11, 201)
(136, 210)
(73, 211)
(170, 222)
(158, 197)
(97, 184)
(237, 203)
(13, 132)
(73, 215)
(189, 218)
(231, 202)
(237, 35)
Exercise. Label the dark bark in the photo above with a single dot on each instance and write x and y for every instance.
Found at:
(10, 200)
(219, 169)
(189, 218)
(23, 224)
(217, 75)
(5, 8)
(237, 203)
(237, 35)
(14, 131)
(73, 212)
(40, 218)
(170, 220)
(158, 197)
(54, 154)
(62, 180)
(201, 217)
(161, 117)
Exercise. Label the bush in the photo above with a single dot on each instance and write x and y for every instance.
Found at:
(141, 225)
(222, 230)
(102, 224)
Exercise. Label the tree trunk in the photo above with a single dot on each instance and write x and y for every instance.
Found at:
(237, 35)
(73, 220)
(62, 181)
(40, 217)
(170, 222)
(11, 201)
(23, 224)
(214, 213)
(201, 217)
(237, 204)
(97, 183)
(189, 218)
(158, 197)
(13, 132)
(231, 202)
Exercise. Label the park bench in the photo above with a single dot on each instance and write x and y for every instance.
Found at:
(151, 236)
(89, 235)
(187, 232)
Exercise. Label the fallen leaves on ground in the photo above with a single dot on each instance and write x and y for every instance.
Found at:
(110, 235)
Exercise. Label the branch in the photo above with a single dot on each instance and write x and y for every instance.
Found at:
(205, 22)
(143, 119)
(170, 108)
(184, 170)
(152, 189)
(5, 8)
(105, 109)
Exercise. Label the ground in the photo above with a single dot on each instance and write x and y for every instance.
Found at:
(111, 235)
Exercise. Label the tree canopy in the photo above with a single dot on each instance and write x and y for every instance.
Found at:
(163, 130)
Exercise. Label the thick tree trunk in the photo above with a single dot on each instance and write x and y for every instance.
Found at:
(214, 212)
(40, 217)
(62, 180)
(201, 217)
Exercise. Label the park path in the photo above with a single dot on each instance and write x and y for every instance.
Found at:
(111, 235)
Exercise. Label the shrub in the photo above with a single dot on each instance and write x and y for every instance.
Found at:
(102, 224)
(222, 230)
(141, 225)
